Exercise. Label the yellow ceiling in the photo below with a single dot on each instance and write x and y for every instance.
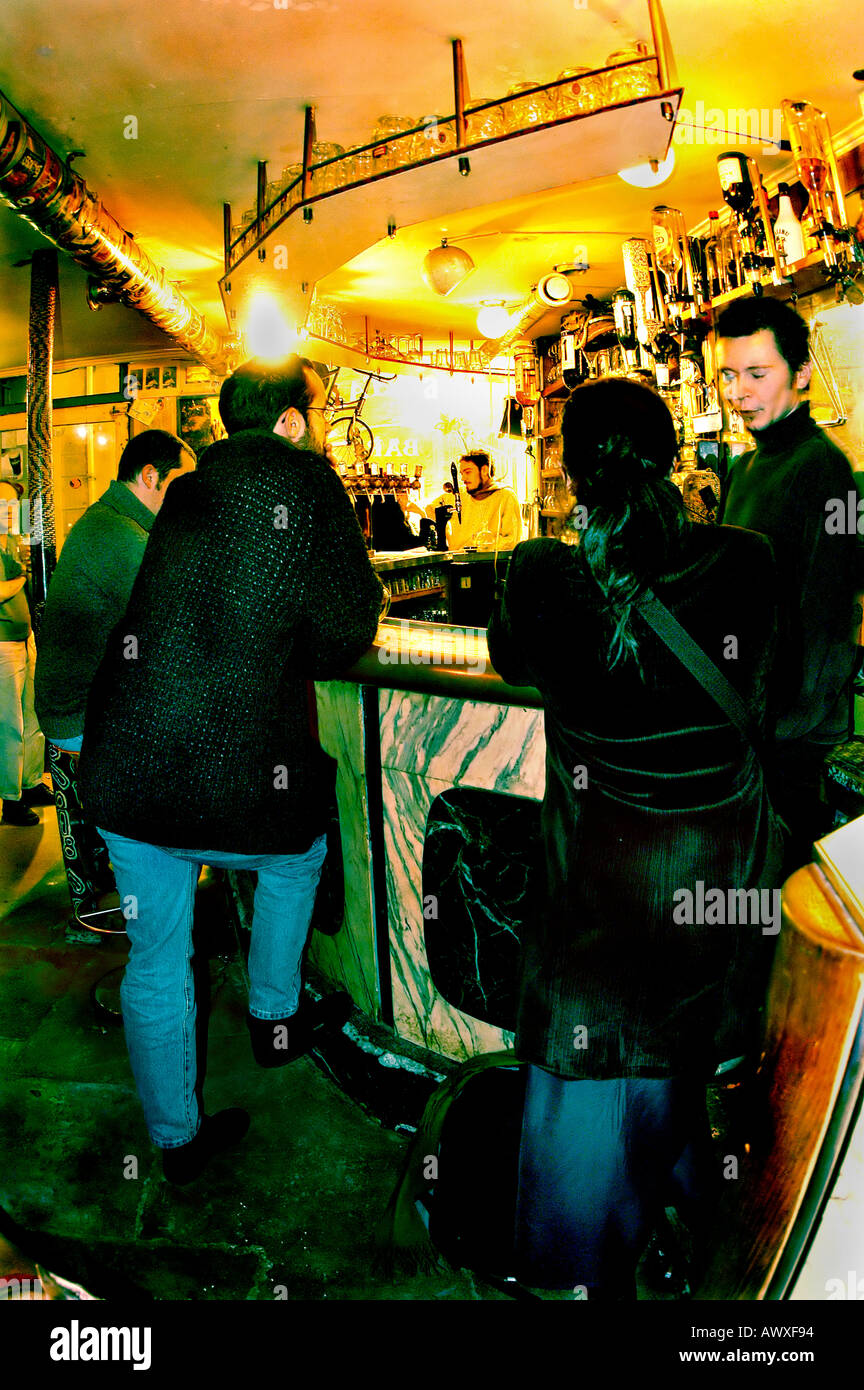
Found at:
(216, 85)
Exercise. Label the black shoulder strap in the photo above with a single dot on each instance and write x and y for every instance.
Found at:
(691, 655)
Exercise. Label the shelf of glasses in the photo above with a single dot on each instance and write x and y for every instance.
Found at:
(426, 361)
(395, 148)
(294, 254)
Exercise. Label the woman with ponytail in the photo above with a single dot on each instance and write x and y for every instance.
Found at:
(630, 999)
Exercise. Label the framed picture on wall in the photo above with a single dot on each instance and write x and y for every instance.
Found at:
(169, 378)
(195, 423)
(151, 379)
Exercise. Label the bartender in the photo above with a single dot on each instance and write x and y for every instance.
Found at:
(485, 508)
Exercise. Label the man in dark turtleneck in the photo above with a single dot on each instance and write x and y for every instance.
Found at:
(790, 488)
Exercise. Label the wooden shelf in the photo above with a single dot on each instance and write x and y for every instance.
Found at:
(552, 431)
(551, 472)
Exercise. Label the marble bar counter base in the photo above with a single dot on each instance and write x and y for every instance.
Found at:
(438, 726)
(349, 960)
(430, 744)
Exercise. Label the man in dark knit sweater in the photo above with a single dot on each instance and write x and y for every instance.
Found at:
(87, 596)
(788, 488)
(197, 745)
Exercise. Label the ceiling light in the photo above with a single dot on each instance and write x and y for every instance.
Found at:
(493, 320)
(650, 174)
(268, 336)
(445, 267)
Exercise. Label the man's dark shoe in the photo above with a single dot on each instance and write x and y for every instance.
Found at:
(40, 795)
(278, 1041)
(217, 1132)
(16, 813)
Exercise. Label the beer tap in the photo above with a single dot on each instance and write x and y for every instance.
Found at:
(457, 500)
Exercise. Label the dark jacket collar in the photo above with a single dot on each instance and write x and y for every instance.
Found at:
(119, 498)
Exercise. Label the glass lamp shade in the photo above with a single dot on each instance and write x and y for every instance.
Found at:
(445, 267)
(493, 321)
(651, 174)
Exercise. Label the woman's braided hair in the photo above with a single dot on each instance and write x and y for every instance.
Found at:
(619, 448)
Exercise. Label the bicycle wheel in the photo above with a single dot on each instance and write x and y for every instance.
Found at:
(351, 441)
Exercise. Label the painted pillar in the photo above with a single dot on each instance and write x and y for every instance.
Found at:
(40, 357)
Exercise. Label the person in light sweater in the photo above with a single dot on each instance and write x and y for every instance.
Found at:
(485, 507)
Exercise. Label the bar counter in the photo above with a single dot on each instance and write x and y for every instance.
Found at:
(441, 768)
(454, 586)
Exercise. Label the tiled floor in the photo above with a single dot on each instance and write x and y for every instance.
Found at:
(289, 1213)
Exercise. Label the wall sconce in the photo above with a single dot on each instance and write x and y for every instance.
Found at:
(445, 267)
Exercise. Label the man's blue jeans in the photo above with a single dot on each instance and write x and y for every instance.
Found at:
(157, 893)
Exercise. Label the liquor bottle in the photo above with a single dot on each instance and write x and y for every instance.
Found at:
(810, 138)
(665, 352)
(736, 173)
(624, 312)
(788, 232)
(735, 181)
(667, 252)
(713, 281)
(637, 274)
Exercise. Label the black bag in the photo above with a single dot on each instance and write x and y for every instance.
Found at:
(472, 1202)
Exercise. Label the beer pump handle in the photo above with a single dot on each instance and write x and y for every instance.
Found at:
(454, 474)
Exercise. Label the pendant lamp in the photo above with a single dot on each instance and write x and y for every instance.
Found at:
(445, 267)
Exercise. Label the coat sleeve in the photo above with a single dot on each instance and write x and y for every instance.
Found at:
(344, 594)
(508, 635)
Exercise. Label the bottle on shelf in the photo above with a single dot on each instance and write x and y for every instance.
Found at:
(672, 257)
(624, 313)
(788, 232)
(810, 138)
(712, 274)
(741, 184)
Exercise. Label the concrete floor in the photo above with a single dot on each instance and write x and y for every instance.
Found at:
(290, 1213)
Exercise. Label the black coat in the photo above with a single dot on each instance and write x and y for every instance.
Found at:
(670, 796)
(255, 580)
(783, 489)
